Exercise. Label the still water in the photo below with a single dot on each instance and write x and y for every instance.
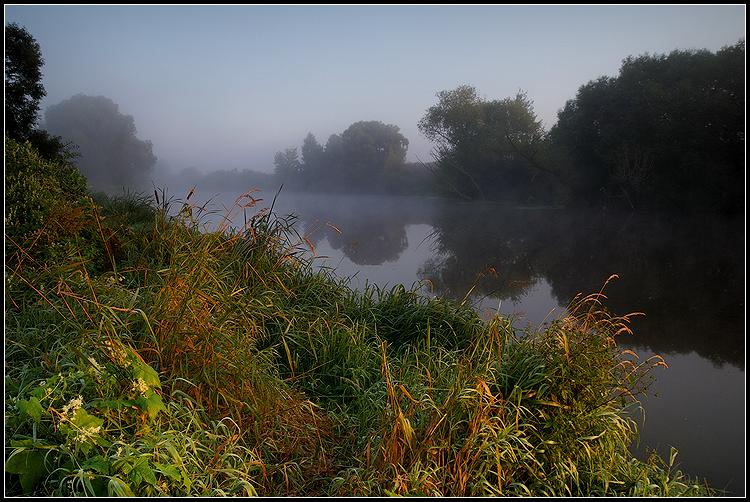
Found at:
(686, 273)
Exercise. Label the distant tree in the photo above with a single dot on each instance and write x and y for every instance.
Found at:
(668, 131)
(23, 82)
(111, 156)
(334, 151)
(367, 157)
(369, 148)
(329, 178)
(312, 153)
(288, 166)
(486, 149)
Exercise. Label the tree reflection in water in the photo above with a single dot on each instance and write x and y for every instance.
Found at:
(369, 230)
(684, 272)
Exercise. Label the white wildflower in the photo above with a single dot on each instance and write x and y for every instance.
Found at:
(140, 386)
(73, 405)
(85, 433)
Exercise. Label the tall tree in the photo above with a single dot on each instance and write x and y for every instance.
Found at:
(23, 82)
(369, 148)
(667, 132)
(111, 156)
(288, 166)
(312, 156)
(486, 149)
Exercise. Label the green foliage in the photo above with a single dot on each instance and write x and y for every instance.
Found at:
(45, 204)
(23, 82)
(367, 157)
(667, 132)
(369, 148)
(488, 149)
(287, 165)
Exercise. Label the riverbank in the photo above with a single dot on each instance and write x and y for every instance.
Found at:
(193, 363)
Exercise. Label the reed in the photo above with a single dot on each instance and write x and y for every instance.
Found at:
(223, 363)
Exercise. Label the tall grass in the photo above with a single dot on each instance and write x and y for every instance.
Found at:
(222, 363)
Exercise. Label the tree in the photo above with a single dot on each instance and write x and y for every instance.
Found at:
(667, 132)
(486, 149)
(23, 87)
(111, 156)
(288, 166)
(312, 153)
(367, 156)
(369, 148)
(23, 93)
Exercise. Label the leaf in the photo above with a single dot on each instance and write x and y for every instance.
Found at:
(96, 463)
(146, 373)
(82, 419)
(151, 403)
(119, 488)
(146, 472)
(29, 465)
(169, 470)
(32, 408)
(21, 443)
(135, 477)
(154, 405)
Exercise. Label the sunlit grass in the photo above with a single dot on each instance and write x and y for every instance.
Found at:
(223, 363)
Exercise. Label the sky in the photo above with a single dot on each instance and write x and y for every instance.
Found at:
(225, 87)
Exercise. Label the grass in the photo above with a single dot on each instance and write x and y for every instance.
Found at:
(221, 362)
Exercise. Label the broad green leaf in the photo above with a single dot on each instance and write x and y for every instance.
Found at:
(154, 405)
(146, 472)
(29, 465)
(82, 419)
(96, 463)
(168, 470)
(151, 403)
(32, 408)
(144, 371)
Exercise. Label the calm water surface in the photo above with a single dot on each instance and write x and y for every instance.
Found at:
(685, 273)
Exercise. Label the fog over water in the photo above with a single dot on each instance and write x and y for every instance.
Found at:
(509, 157)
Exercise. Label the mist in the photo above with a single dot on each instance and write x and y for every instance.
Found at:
(504, 159)
(241, 91)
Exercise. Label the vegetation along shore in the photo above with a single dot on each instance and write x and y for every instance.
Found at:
(147, 357)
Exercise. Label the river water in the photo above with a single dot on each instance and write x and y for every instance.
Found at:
(685, 273)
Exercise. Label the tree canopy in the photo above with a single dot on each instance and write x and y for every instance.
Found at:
(111, 156)
(486, 149)
(287, 165)
(359, 159)
(23, 82)
(24, 92)
(668, 131)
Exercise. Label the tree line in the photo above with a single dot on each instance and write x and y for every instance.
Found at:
(369, 156)
(668, 132)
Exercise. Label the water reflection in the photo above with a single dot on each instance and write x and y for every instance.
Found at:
(368, 230)
(686, 274)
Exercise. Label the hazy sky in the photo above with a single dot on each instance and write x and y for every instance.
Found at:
(228, 86)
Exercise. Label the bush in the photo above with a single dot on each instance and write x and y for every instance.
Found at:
(45, 202)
